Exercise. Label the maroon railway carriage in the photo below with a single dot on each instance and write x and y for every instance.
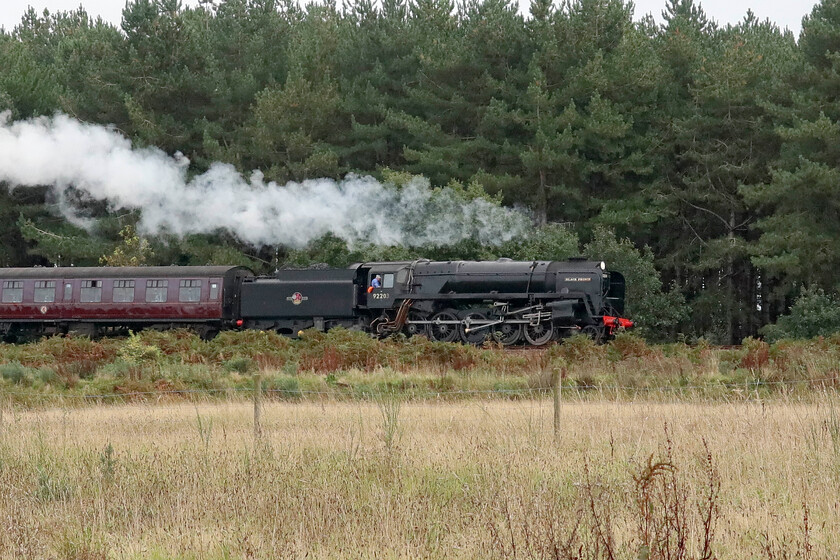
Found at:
(100, 300)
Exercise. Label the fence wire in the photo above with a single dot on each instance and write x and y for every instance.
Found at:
(350, 393)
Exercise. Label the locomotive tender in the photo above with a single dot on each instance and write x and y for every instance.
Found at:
(506, 301)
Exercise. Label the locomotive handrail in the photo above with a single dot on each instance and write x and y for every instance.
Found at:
(531, 276)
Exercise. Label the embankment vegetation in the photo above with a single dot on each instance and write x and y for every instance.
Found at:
(348, 364)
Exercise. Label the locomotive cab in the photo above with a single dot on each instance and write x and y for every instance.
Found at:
(393, 280)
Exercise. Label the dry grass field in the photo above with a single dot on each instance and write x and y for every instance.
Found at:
(474, 479)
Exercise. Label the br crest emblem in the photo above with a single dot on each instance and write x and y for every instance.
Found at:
(297, 298)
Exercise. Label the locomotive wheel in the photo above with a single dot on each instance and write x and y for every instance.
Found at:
(414, 329)
(443, 332)
(470, 336)
(507, 334)
(593, 332)
(539, 334)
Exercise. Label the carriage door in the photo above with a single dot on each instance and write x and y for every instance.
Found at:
(65, 298)
(380, 296)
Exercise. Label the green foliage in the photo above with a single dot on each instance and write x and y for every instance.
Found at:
(657, 312)
(292, 122)
(51, 488)
(283, 387)
(390, 407)
(133, 251)
(348, 364)
(239, 365)
(61, 242)
(629, 345)
(578, 348)
(714, 149)
(107, 463)
(13, 372)
(815, 313)
(47, 375)
(136, 352)
(549, 242)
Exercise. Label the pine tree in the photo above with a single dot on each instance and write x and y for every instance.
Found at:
(799, 228)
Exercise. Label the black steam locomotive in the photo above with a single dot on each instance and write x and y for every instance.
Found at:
(505, 301)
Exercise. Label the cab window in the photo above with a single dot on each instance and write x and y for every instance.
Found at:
(387, 280)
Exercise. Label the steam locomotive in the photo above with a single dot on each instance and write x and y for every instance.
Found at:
(510, 302)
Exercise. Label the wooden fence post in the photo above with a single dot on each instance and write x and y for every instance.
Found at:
(557, 386)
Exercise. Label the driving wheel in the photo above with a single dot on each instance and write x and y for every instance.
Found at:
(444, 331)
(468, 331)
(539, 334)
(507, 334)
(416, 329)
(593, 332)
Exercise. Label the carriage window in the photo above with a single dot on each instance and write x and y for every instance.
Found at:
(388, 281)
(123, 291)
(91, 291)
(156, 290)
(190, 290)
(214, 290)
(44, 291)
(68, 292)
(12, 291)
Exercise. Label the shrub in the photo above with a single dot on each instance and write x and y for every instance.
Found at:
(80, 369)
(195, 376)
(14, 372)
(579, 348)
(47, 376)
(181, 344)
(756, 354)
(339, 349)
(284, 387)
(266, 348)
(628, 345)
(121, 369)
(814, 313)
(239, 364)
(134, 350)
(63, 350)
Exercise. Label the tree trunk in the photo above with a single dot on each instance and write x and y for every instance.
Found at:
(730, 282)
(542, 201)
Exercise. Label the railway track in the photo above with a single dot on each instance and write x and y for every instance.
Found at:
(527, 349)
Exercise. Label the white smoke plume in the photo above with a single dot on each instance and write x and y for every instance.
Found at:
(64, 153)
